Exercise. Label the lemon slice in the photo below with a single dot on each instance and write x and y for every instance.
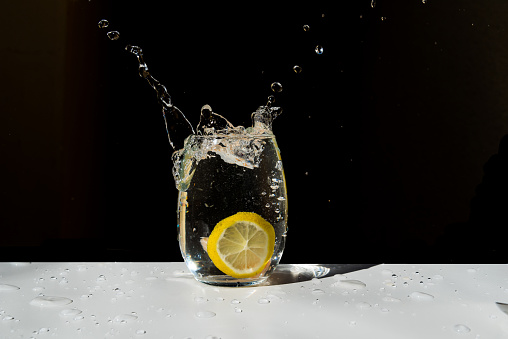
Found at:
(241, 245)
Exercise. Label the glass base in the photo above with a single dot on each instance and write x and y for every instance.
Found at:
(227, 281)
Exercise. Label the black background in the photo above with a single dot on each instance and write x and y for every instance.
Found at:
(392, 139)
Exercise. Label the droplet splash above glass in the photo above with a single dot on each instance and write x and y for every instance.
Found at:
(113, 35)
(103, 23)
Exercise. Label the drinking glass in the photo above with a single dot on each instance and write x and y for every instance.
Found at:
(229, 176)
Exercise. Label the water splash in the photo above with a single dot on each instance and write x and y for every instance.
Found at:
(177, 126)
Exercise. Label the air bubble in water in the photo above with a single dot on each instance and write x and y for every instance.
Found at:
(103, 23)
(319, 49)
(113, 35)
(306, 28)
(297, 69)
(276, 87)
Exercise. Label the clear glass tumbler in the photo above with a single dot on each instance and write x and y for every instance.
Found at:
(232, 208)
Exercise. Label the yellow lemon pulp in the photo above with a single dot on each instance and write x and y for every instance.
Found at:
(241, 245)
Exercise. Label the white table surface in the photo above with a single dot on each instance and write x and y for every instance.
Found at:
(162, 300)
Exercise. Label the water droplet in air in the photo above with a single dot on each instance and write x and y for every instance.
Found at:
(319, 49)
(297, 69)
(383, 18)
(424, 1)
(421, 296)
(459, 328)
(373, 3)
(7, 287)
(45, 301)
(276, 87)
(103, 23)
(113, 35)
(205, 314)
(306, 28)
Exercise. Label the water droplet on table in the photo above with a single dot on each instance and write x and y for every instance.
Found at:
(124, 318)
(459, 328)
(350, 284)
(263, 301)
(103, 23)
(318, 291)
(421, 296)
(235, 301)
(69, 312)
(363, 305)
(205, 314)
(200, 299)
(140, 332)
(7, 287)
(48, 301)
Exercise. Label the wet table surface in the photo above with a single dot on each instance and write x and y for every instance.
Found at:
(162, 300)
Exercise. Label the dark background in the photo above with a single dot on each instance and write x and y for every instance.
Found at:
(392, 139)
